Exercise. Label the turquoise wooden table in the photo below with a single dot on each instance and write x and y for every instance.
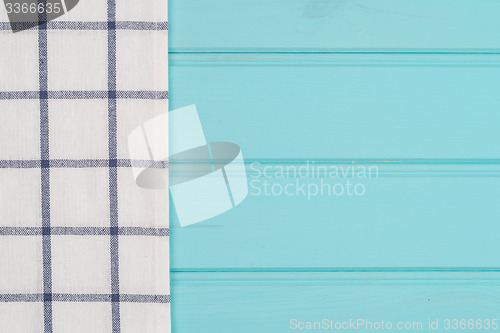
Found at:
(406, 89)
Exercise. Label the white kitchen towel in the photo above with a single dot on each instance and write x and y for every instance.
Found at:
(82, 247)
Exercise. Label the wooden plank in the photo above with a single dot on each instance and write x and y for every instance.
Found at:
(280, 107)
(448, 219)
(429, 127)
(334, 25)
(267, 302)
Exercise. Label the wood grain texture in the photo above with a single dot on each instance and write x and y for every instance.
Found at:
(431, 130)
(334, 25)
(250, 302)
(401, 221)
(285, 108)
(408, 87)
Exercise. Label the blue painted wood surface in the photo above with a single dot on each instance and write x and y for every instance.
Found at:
(266, 302)
(362, 25)
(408, 87)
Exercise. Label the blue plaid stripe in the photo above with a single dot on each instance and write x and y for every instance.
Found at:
(45, 169)
(84, 94)
(68, 25)
(113, 172)
(47, 231)
(127, 298)
(84, 231)
(85, 163)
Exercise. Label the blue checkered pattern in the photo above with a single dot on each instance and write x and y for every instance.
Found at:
(46, 166)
